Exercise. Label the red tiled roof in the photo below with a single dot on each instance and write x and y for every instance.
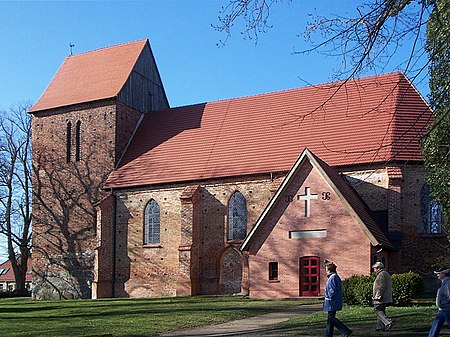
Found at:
(375, 119)
(341, 188)
(91, 76)
(7, 273)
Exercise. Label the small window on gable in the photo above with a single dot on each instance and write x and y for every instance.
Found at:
(78, 141)
(69, 142)
(152, 222)
(273, 271)
(237, 217)
(432, 218)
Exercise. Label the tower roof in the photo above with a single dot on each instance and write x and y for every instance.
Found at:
(91, 76)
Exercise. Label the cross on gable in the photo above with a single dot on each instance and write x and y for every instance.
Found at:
(307, 197)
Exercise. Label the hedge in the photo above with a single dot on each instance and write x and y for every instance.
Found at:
(358, 289)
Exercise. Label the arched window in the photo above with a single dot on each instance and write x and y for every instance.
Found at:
(69, 142)
(152, 223)
(78, 141)
(431, 213)
(237, 217)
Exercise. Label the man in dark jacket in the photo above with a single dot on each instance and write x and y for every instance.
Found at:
(442, 302)
(333, 301)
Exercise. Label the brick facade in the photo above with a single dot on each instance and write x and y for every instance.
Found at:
(64, 216)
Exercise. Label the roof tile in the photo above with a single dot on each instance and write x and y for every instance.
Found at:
(374, 119)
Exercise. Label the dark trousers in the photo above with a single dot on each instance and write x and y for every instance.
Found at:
(333, 322)
(382, 318)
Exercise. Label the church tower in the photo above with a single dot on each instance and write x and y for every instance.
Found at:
(82, 124)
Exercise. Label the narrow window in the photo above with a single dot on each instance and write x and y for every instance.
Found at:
(152, 223)
(78, 141)
(69, 142)
(273, 271)
(432, 218)
(237, 217)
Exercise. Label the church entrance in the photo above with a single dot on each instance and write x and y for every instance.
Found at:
(309, 277)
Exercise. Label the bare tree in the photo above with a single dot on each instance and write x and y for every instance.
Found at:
(370, 40)
(15, 189)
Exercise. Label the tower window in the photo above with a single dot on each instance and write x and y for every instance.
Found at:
(78, 141)
(69, 142)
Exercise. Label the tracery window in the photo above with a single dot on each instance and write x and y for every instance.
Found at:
(152, 220)
(432, 217)
(237, 217)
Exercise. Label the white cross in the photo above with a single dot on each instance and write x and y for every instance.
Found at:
(307, 197)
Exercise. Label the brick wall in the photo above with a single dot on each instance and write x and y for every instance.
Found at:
(64, 217)
(345, 243)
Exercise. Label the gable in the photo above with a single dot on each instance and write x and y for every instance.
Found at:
(370, 120)
(310, 184)
(91, 76)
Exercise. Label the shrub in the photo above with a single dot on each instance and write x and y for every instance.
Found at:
(358, 289)
(405, 287)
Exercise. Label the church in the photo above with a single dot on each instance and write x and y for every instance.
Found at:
(134, 198)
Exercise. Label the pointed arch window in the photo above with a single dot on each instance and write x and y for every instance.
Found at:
(78, 141)
(237, 217)
(69, 142)
(152, 220)
(432, 218)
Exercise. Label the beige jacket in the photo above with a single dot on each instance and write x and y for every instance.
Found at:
(382, 288)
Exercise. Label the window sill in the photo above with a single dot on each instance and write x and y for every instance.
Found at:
(234, 241)
(152, 245)
(432, 235)
(274, 281)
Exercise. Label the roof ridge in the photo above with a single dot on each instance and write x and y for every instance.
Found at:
(335, 83)
(107, 47)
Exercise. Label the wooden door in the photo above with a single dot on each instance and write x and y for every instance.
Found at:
(309, 276)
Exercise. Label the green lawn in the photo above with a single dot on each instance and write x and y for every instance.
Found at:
(148, 317)
(414, 321)
(123, 317)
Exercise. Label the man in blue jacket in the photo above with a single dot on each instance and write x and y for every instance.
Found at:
(442, 302)
(333, 301)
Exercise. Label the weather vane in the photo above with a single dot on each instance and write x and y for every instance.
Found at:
(71, 45)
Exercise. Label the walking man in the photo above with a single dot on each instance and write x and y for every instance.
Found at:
(333, 301)
(442, 302)
(382, 296)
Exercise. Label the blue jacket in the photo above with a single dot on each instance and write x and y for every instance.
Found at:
(333, 293)
(443, 295)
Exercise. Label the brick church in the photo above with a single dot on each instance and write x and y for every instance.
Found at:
(134, 198)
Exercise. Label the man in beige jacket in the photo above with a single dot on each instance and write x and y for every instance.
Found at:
(382, 296)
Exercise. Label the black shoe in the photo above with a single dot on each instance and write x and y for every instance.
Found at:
(379, 329)
(348, 333)
(389, 326)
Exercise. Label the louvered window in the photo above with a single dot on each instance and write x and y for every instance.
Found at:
(78, 141)
(152, 222)
(432, 218)
(69, 142)
(237, 217)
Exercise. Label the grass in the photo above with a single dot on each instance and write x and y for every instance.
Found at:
(411, 321)
(123, 317)
(148, 317)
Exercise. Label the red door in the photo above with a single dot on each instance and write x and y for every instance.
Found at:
(309, 276)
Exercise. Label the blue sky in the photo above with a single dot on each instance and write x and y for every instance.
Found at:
(35, 38)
